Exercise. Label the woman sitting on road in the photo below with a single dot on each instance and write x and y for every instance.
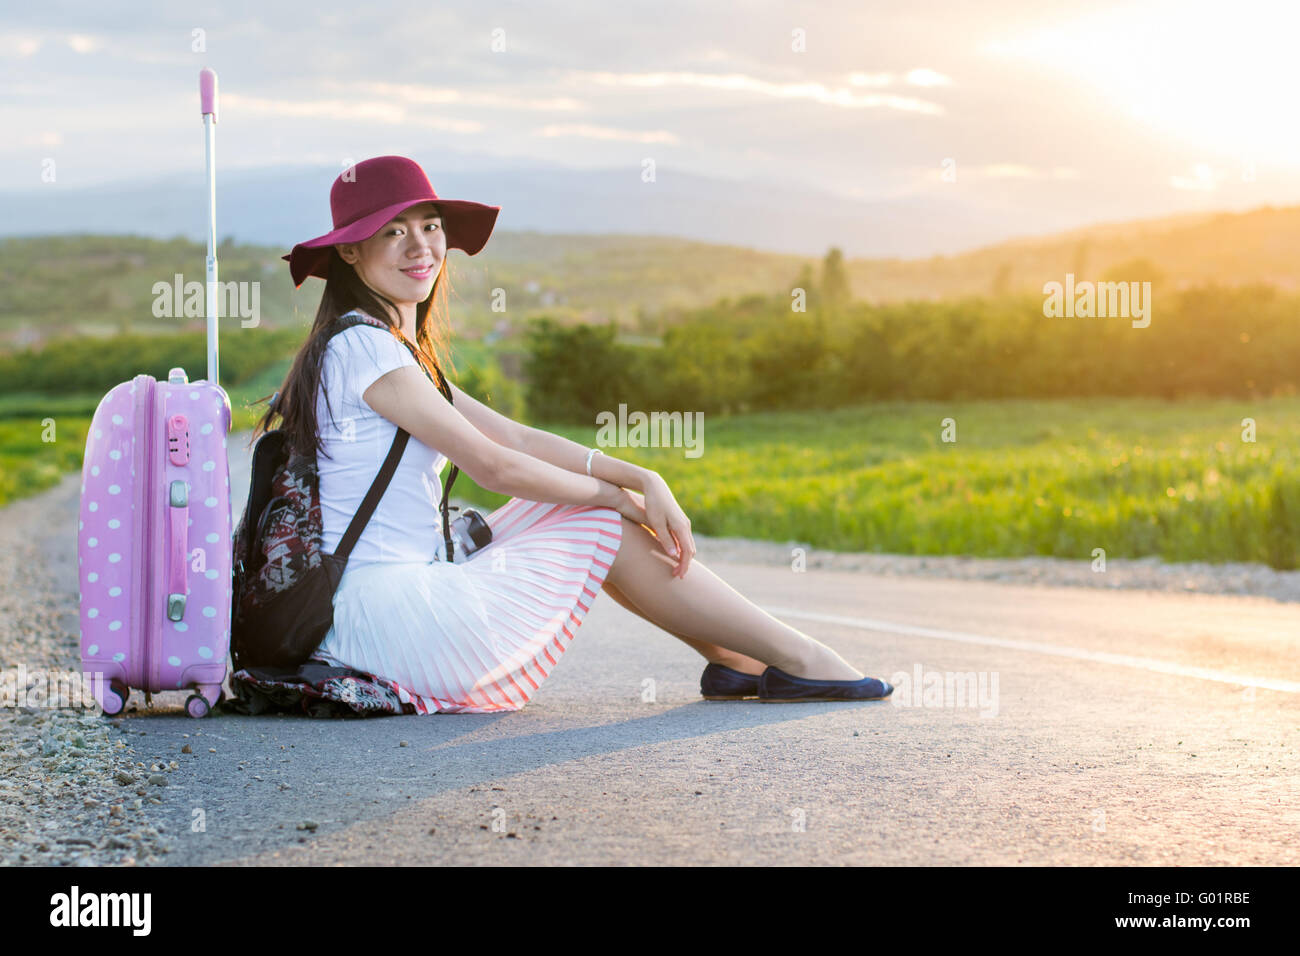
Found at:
(481, 634)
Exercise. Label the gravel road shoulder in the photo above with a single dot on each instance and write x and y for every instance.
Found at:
(75, 788)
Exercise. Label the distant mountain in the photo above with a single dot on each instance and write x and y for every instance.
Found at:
(277, 206)
(83, 283)
(281, 206)
(1262, 245)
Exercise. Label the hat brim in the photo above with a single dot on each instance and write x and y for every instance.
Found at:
(466, 224)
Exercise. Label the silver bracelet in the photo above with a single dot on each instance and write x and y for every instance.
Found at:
(590, 455)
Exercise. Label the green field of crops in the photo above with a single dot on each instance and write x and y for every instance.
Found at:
(1134, 477)
(42, 437)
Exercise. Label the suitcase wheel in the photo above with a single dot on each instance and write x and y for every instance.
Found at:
(115, 698)
(197, 706)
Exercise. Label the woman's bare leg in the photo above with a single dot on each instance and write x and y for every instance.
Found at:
(710, 652)
(707, 609)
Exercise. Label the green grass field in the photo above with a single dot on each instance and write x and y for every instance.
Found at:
(43, 437)
(1134, 477)
(34, 456)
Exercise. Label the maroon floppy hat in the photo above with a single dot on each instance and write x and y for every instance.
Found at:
(374, 191)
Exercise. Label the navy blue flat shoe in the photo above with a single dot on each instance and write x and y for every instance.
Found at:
(723, 683)
(775, 686)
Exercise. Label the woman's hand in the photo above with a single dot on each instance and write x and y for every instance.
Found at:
(628, 503)
(658, 510)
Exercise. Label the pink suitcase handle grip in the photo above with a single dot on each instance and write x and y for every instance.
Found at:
(177, 550)
(208, 93)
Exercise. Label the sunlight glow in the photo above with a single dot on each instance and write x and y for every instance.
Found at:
(1220, 78)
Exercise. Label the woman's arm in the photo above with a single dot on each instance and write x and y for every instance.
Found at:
(407, 398)
(525, 454)
(663, 516)
(502, 430)
(658, 510)
(554, 449)
(563, 453)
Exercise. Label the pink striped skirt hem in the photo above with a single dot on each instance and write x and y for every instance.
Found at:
(480, 636)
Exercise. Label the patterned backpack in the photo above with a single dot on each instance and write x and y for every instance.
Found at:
(284, 582)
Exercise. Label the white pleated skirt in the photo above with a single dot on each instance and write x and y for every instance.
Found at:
(480, 636)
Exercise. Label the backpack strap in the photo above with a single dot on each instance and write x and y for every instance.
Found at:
(377, 489)
(380, 484)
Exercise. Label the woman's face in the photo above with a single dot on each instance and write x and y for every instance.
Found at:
(402, 259)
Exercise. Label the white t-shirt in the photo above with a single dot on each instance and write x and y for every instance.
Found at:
(407, 525)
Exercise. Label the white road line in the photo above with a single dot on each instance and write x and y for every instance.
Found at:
(1038, 647)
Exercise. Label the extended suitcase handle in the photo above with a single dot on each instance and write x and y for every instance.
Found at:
(208, 93)
(208, 113)
(178, 550)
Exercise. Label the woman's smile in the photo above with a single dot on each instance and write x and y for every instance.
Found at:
(420, 273)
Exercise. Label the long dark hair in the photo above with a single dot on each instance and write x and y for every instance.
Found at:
(344, 291)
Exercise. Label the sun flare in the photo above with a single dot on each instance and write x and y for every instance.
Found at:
(1219, 78)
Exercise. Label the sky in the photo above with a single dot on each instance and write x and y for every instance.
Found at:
(1160, 107)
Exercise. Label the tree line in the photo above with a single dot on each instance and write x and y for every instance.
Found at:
(758, 353)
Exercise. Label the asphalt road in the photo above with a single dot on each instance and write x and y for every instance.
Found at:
(1114, 728)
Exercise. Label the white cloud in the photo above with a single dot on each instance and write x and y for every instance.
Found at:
(1203, 179)
(743, 83)
(872, 79)
(1007, 171)
(380, 111)
(1011, 171)
(918, 77)
(19, 44)
(588, 131)
(443, 95)
(43, 138)
(27, 44)
(927, 77)
(83, 44)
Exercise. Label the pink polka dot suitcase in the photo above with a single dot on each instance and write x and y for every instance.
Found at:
(153, 536)
(154, 542)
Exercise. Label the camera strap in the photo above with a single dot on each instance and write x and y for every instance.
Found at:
(451, 478)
